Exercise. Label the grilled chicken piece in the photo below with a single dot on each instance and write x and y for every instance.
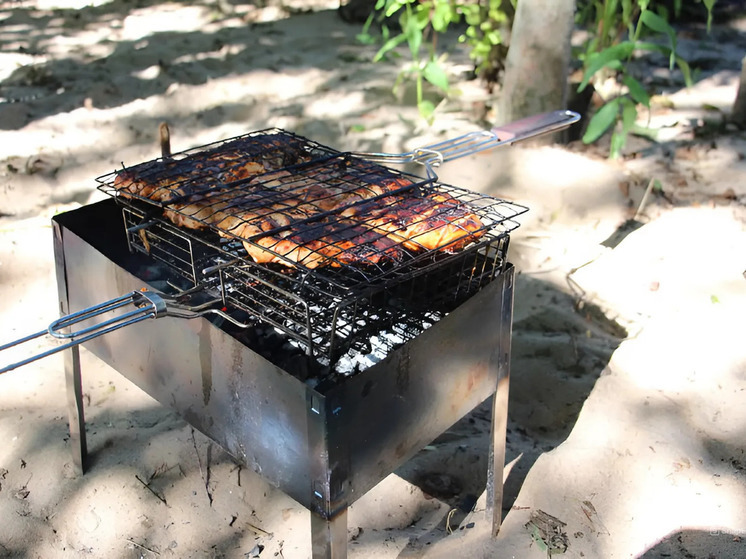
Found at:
(285, 220)
(327, 214)
(200, 178)
(330, 241)
(165, 180)
(281, 197)
(431, 222)
(364, 234)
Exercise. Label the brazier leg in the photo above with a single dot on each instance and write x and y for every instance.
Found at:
(73, 381)
(75, 414)
(500, 408)
(497, 455)
(329, 537)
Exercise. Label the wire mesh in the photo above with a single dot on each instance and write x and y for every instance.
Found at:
(325, 247)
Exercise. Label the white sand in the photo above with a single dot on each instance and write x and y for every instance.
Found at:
(635, 443)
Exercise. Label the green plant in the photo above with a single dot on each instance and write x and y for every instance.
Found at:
(419, 24)
(484, 35)
(417, 21)
(618, 27)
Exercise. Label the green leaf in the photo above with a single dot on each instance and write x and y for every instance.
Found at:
(629, 116)
(626, 12)
(413, 32)
(709, 4)
(427, 110)
(636, 91)
(617, 143)
(395, 7)
(660, 25)
(365, 39)
(493, 37)
(436, 75)
(388, 46)
(685, 70)
(619, 137)
(443, 16)
(607, 57)
(601, 121)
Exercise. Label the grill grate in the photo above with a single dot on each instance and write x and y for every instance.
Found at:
(367, 247)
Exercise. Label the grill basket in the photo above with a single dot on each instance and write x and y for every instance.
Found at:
(329, 310)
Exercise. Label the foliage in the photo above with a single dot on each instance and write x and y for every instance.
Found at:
(618, 30)
(420, 22)
(620, 26)
(484, 36)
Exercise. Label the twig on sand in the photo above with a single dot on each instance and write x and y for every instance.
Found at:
(257, 530)
(153, 491)
(644, 200)
(205, 479)
(238, 467)
(153, 551)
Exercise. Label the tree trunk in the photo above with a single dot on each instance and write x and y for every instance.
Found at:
(537, 66)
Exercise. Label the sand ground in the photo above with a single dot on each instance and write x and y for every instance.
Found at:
(626, 417)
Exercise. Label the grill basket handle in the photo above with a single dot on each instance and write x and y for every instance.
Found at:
(434, 155)
(148, 305)
(535, 125)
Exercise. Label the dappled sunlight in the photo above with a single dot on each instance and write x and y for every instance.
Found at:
(625, 421)
(143, 23)
(713, 92)
(687, 370)
(334, 104)
(91, 85)
(68, 4)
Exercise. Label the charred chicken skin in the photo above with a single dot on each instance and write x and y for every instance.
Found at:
(325, 215)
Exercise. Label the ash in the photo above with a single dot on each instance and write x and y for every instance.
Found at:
(384, 342)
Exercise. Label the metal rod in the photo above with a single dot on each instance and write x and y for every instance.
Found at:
(70, 344)
(136, 228)
(150, 305)
(75, 409)
(123, 320)
(498, 429)
(164, 135)
(86, 314)
(23, 340)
